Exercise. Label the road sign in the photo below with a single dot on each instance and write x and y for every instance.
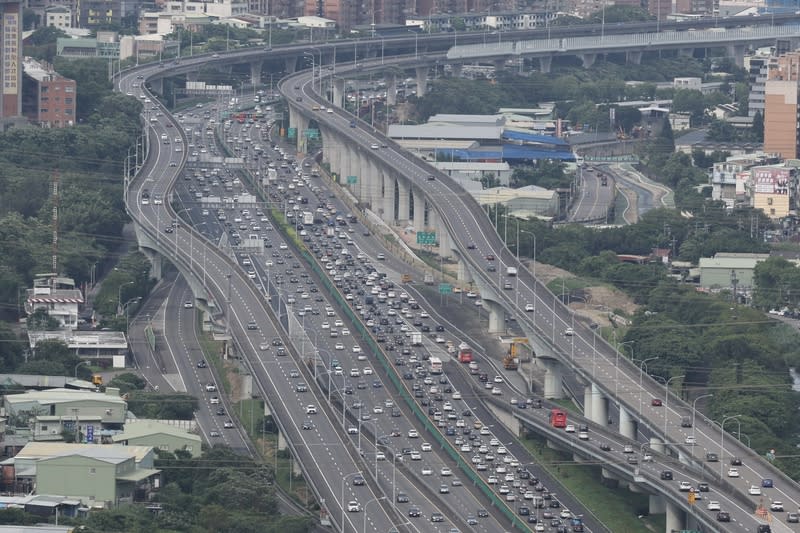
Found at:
(445, 288)
(90, 433)
(352, 180)
(311, 133)
(292, 133)
(426, 237)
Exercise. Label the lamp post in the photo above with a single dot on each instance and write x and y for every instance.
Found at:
(342, 500)
(642, 365)
(313, 65)
(119, 296)
(125, 310)
(745, 435)
(666, 401)
(722, 442)
(364, 527)
(79, 364)
(416, 42)
(694, 409)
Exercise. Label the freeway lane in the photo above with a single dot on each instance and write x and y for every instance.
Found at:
(222, 278)
(615, 375)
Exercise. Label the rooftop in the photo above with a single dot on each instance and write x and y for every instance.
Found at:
(81, 339)
(115, 453)
(62, 396)
(143, 428)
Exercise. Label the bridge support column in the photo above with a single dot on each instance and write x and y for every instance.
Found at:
(255, 73)
(404, 193)
(455, 70)
(588, 398)
(386, 208)
(499, 64)
(338, 92)
(656, 504)
(422, 81)
(736, 51)
(675, 517)
(391, 89)
(657, 445)
(157, 86)
(418, 203)
(290, 65)
(544, 64)
(552, 379)
(686, 52)
(634, 57)
(497, 316)
(301, 123)
(588, 60)
(156, 262)
(627, 426)
(462, 271)
(599, 406)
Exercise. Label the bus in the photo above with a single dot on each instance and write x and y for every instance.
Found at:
(464, 353)
(558, 418)
(436, 365)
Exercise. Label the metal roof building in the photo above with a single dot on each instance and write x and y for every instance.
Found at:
(716, 272)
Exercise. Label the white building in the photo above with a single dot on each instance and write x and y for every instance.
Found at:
(57, 296)
(58, 17)
(476, 171)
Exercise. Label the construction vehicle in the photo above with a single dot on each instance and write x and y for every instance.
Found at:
(405, 278)
(97, 380)
(510, 362)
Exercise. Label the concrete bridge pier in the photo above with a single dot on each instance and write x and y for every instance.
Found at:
(627, 425)
(544, 64)
(675, 517)
(553, 377)
(686, 52)
(417, 210)
(588, 400)
(255, 73)
(391, 89)
(588, 59)
(403, 201)
(300, 123)
(634, 57)
(657, 504)
(497, 316)
(384, 206)
(422, 81)
(290, 65)
(157, 85)
(657, 445)
(736, 51)
(599, 406)
(156, 261)
(338, 92)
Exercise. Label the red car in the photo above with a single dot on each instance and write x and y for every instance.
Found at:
(655, 402)
(490, 257)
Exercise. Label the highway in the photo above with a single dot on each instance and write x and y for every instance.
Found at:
(593, 357)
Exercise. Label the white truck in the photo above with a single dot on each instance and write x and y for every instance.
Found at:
(511, 271)
(308, 218)
(416, 338)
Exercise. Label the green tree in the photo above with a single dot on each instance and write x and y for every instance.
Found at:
(690, 101)
(127, 382)
(758, 127)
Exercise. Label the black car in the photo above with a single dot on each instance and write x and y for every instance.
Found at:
(723, 516)
(666, 474)
(413, 512)
(359, 480)
(402, 497)
(736, 461)
(201, 364)
(482, 513)
(605, 447)
(702, 487)
(220, 411)
(437, 517)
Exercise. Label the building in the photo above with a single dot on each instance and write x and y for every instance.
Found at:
(104, 348)
(757, 67)
(11, 59)
(161, 436)
(57, 296)
(729, 179)
(689, 84)
(720, 271)
(88, 416)
(771, 190)
(58, 17)
(524, 202)
(476, 171)
(48, 98)
(781, 106)
(97, 475)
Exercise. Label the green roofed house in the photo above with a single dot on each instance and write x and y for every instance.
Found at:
(97, 475)
(159, 435)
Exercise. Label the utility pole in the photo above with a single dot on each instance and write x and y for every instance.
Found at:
(734, 283)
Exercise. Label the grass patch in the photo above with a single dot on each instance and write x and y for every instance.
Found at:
(212, 351)
(251, 414)
(618, 508)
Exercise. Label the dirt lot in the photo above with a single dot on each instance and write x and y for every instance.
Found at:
(600, 299)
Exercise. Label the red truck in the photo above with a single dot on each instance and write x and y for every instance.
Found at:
(558, 418)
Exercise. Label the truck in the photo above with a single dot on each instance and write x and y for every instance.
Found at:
(416, 338)
(405, 278)
(272, 174)
(464, 353)
(511, 271)
(510, 362)
(558, 418)
(435, 365)
(428, 279)
(308, 218)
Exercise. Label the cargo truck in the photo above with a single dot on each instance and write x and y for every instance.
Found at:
(511, 271)
(428, 279)
(416, 338)
(308, 218)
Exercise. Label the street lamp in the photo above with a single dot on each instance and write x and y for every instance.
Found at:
(342, 500)
(364, 528)
(119, 296)
(694, 409)
(125, 309)
(416, 42)
(722, 441)
(642, 364)
(666, 401)
(79, 364)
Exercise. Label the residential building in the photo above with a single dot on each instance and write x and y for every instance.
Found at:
(49, 98)
(730, 179)
(57, 296)
(771, 190)
(164, 437)
(757, 67)
(97, 475)
(58, 17)
(781, 106)
(725, 269)
(107, 348)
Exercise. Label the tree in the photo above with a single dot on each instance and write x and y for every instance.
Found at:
(689, 101)
(758, 127)
(40, 320)
(489, 181)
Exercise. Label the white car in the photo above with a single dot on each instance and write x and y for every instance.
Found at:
(311, 409)
(754, 490)
(367, 371)
(353, 507)
(456, 395)
(690, 440)
(713, 505)
(776, 507)
(325, 325)
(339, 346)
(356, 348)
(733, 472)
(412, 434)
(529, 308)
(570, 428)
(427, 471)
(446, 472)
(426, 446)
(685, 486)
(569, 332)
(496, 391)
(378, 410)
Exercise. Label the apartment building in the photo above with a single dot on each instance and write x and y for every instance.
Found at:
(781, 106)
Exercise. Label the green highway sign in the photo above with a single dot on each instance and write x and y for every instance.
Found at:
(311, 134)
(445, 288)
(292, 133)
(426, 237)
(352, 180)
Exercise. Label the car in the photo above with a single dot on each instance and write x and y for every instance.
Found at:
(529, 308)
(308, 424)
(168, 229)
(685, 486)
(776, 506)
(374, 146)
(690, 440)
(723, 516)
(793, 518)
(736, 461)
(252, 325)
(754, 490)
(496, 391)
(712, 457)
(427, 471)
(605, 446)
(214, 400)
(301, 387)
(228, 424)
(444, 489)
(471, 520)
(569, 332)
(214, 433)
(627, 449)
(353, 507)
(414, 512)
(402, 497)
(570, 428)
(311, 409)
(210, 387)
(713, 505)
(263, 346)
(446, 472)
(188, 305)
(413, 434)
(733, 472)
(656, 402)
(359, 481)
(201, 364)
(437, 517)
(583, 435)
(426, 447)
(767, 483)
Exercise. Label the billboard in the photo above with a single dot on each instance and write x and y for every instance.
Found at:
(11, 52)
(772, 180)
